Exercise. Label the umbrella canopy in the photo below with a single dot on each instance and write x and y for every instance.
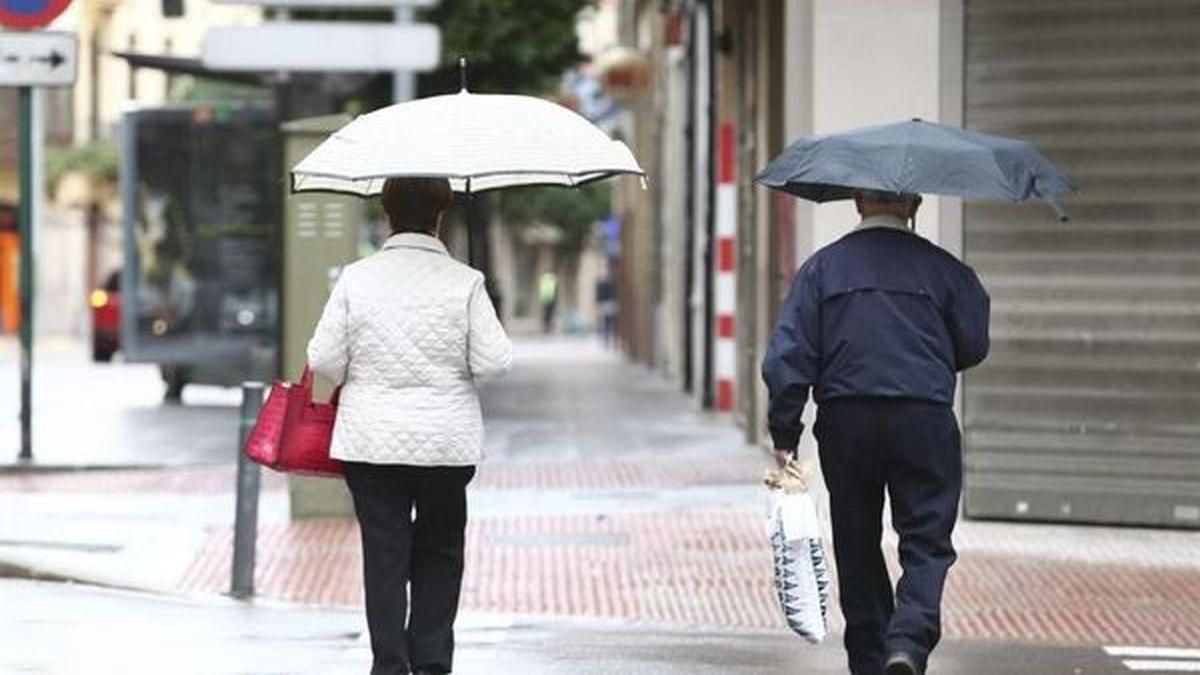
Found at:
(916, 157)
(478, 141)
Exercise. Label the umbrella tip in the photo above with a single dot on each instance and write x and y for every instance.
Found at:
(462, 73)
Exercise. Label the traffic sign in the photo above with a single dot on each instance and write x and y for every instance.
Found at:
(25, 14)
(323, 46)
(37, 59)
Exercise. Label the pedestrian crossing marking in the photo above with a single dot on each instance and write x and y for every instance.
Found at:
(1153, 652)
(1150, 665)
(1157, 659)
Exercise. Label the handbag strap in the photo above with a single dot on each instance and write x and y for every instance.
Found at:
(306, 384)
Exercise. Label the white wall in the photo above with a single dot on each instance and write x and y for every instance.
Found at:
(673, 179)
(852, 63)
(597, 27)
(62, 289)
(798, 102)
(874, 62)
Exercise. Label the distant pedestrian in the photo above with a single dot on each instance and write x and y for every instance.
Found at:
(548, 295)
(606, 308)
(408, 331)
(878, 324)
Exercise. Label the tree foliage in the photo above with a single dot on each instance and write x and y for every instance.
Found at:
(96, 160)
(518, 46)
(511, 46)
(571, 210)
(192, 89)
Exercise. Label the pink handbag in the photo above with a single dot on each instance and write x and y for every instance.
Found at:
(293, 433)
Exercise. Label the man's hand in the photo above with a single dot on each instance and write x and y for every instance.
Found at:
(782, 457)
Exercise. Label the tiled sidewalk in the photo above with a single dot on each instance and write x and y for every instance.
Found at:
(607, 495)
(710, 567)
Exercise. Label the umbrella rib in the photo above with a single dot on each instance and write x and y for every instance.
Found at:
(370, 192)
(467, 176)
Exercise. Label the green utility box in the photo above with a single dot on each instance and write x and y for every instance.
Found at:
(321, 234)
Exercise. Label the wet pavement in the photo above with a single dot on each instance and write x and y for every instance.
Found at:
(58, 628)
(110, 415)
(615, 528)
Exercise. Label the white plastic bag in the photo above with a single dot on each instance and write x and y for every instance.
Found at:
(801, 574)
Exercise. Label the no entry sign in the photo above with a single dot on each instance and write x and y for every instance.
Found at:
(24, 14)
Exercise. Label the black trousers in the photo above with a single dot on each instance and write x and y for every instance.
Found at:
(399, 551)
(911, 449)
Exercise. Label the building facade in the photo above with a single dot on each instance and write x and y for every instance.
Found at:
(1089, 407)
(80, 218)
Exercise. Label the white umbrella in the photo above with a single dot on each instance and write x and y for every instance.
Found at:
(478, 141)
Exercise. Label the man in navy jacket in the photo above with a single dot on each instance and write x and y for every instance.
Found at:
(878, 324)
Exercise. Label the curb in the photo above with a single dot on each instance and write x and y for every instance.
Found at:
(42, 469)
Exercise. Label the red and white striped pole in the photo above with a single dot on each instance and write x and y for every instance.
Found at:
(725, 297)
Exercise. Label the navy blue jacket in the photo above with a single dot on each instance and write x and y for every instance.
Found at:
(881, 312)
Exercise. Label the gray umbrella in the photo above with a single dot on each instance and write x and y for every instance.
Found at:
(916, 157)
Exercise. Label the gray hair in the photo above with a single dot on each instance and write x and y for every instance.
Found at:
(885, 197)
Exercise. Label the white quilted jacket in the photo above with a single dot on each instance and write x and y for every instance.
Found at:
(408, 331)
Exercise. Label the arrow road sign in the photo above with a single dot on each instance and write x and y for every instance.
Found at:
(54, 60)
(37, 59)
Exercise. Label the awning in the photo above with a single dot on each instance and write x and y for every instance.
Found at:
(185, 66)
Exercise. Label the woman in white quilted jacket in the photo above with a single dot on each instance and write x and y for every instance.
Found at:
(408, 332)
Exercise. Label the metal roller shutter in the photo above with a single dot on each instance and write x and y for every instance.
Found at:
(1089, 407)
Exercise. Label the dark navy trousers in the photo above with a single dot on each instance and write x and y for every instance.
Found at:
(911, 450)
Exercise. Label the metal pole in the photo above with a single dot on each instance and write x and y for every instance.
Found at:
(245, 524)
(404, 82)
(25, 217)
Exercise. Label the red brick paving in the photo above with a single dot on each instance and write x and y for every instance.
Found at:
(611, 474)
(712, 568)
(1024, 599)
(694, 568)
(698, 567)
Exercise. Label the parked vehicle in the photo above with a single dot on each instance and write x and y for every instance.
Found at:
(106, 318)
(201, 202)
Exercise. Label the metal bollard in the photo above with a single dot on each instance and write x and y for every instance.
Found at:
(245, 524)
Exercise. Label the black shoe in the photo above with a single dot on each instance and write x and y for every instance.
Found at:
(902, 664)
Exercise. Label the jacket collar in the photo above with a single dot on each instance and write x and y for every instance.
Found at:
(891, 222)
(415, 240)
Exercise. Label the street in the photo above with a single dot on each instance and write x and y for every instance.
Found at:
(614, 529)
(667, 228)
(109, 631)
(95, 415)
